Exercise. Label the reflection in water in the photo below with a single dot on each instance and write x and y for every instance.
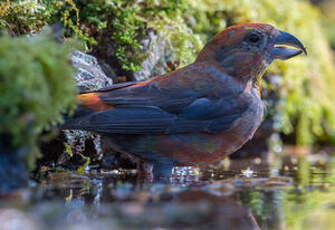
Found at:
(289, 193)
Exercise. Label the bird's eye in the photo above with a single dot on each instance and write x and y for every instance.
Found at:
(253, 38)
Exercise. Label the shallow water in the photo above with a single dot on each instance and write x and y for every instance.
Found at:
(286, 192)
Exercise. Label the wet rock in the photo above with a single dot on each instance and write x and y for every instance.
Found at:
(89, 76)
(83, 142)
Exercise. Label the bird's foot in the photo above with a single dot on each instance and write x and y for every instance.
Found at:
(144, 172)
(156, 172)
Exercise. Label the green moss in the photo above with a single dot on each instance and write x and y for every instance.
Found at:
(126, 29)
(36, 87)
(22, 17)
(128, 22)
(181, 41)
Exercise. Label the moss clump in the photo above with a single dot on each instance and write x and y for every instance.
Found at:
(127, 30)
(127, 22)
(20, 17)
(183, 44)
(36, 87)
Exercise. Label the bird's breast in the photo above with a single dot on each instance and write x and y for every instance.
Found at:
(245, 127)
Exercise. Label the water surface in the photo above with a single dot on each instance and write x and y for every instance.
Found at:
(285, 192)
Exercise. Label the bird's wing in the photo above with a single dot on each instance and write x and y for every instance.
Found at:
(190, 115)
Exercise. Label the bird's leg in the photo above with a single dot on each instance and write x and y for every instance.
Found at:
(162, 171)
(144, 171)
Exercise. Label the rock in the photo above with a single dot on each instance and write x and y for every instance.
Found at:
(90, 75)
(157, 56)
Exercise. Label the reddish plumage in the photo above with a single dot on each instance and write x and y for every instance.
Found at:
(196, 114)
(93, 102)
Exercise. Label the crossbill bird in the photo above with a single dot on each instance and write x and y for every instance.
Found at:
(196, 114)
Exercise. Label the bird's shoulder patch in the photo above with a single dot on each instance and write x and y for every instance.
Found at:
(92, 101)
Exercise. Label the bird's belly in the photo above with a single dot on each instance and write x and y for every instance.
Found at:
(205, 148)
(199, 148)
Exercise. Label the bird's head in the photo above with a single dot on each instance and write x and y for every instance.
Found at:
(244, 51)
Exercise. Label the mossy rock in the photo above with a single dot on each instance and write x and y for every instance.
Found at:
(36, 88)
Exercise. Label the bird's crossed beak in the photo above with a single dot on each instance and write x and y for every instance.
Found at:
(281, 42)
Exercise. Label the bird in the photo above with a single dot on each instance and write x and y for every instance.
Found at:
(197, 114)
